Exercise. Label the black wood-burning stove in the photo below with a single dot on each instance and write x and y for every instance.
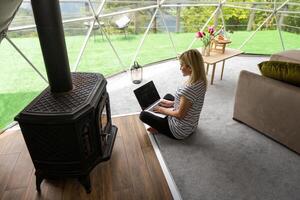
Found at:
(67, 128)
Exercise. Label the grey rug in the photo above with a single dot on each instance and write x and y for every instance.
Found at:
(224, 159)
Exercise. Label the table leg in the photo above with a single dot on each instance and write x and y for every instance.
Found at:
(207, 65)
(222, 69)
(213, 74)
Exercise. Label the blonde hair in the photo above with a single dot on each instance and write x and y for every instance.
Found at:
(193, 59)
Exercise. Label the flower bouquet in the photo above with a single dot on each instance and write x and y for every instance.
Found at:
(206, 38)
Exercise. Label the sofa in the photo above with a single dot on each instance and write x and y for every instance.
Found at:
(270, 106)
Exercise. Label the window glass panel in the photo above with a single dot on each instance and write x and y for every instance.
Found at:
(289, 24)
(75, 34)
(266, 40)
(99, 56)
(188, 21)
(157, 44)
(76, 9)
(120, 6)
(24, 16)
(19, 83)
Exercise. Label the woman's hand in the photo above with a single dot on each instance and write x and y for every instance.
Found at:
(166, 103)
(162, 110)
(158, 109)
(180, 113)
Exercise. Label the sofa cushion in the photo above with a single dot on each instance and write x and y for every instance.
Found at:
(282, 71)
(287, 56)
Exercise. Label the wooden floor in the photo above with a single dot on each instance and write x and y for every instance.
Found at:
(133, 172)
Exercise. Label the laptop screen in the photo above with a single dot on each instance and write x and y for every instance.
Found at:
(146, 95)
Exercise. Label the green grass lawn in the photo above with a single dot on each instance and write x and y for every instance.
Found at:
(19, 83)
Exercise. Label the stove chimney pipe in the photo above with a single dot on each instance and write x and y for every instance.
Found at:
(51, 35)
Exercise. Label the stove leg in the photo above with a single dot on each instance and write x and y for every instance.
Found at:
(86, 182)
(38, 180)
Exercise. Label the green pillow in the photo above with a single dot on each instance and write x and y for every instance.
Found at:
(282, 71)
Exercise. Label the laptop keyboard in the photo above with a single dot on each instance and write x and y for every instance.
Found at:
(153, 106)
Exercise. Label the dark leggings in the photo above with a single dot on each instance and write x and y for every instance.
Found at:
(158, 123)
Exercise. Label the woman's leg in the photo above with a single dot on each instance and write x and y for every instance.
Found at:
(169, 97)
(158, 123)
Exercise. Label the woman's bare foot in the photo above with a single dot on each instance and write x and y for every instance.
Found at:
(152, 130)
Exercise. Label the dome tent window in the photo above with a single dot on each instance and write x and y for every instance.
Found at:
(136, 72)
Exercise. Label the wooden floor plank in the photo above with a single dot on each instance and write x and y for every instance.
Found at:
(139, 130)
(20, 176)
(137, 165)
(126, 194)
(31, 192)
(161, 185)
(96, 182)
(14, 194)
(7, 163)
(54, 189)
(73, 190)
(133, 172)
(106, 182)
(120, 175)
(11, 142)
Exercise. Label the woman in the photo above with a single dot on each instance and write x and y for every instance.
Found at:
(182, 120)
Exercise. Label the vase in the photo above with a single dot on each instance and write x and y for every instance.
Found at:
(206, 50)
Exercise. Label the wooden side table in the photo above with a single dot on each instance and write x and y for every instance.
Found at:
(215, 57)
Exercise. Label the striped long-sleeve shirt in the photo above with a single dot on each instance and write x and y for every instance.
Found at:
(181, 128)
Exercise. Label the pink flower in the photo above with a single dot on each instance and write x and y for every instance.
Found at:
(211, 30)
(199, 34)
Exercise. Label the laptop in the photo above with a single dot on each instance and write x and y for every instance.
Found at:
(148, 98)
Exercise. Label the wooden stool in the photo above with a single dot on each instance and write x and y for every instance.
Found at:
(219, 45)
